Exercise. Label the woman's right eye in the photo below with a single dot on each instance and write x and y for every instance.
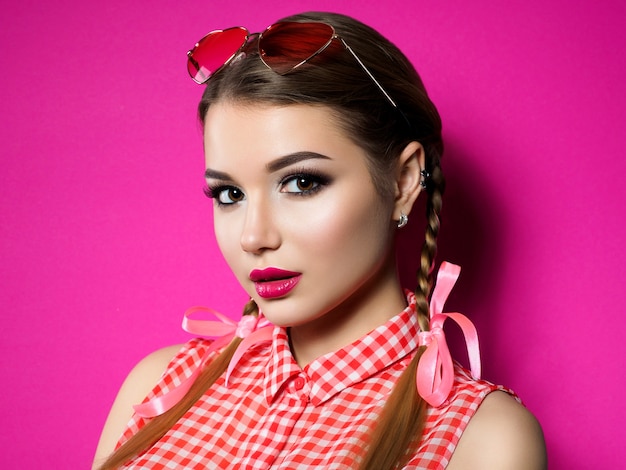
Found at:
(225, 195)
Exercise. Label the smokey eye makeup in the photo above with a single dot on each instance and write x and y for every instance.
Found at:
(303, 182)
(298, 183)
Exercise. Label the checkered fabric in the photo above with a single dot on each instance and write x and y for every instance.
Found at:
(277, 415)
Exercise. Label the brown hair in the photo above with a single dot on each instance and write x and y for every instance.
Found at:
(335, 80)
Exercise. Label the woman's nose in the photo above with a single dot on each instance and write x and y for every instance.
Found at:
(259, 231)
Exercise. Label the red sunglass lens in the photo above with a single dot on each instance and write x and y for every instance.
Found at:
(213, 51)
(285, 45)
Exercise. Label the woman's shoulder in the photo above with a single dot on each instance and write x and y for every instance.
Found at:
(502, 434)
(479, 425)
(161, 367)
(140, 383)
(154, 365)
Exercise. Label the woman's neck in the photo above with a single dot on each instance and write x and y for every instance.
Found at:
(362, 312)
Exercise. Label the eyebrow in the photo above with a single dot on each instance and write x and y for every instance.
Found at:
(292, 159)
(273, 166)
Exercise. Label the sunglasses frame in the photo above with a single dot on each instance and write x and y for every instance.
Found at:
(249, 36)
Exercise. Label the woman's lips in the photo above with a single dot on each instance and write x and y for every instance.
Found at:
(272, 283)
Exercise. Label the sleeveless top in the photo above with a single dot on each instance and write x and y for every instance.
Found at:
(273, 414)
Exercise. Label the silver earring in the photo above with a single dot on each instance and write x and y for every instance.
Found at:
(424, 180)
(404, 219)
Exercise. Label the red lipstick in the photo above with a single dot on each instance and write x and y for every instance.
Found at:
(272, 283)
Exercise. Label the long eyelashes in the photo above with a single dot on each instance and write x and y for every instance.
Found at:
(301, 183)
(224, 195)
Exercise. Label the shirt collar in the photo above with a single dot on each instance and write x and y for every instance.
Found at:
(330, 374)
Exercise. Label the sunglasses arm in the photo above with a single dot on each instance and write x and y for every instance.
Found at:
(366, 70)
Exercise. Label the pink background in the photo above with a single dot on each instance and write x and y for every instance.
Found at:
(106, 238)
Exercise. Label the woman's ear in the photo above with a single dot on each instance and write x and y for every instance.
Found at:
(408, 177)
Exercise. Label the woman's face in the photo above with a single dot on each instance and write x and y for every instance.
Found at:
(296, 216)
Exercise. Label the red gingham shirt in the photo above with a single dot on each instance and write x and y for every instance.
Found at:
(276, 415)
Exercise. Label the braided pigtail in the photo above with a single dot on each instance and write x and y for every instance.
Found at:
(404, 414)
(435, 185)
(401, 419)
(156, 427)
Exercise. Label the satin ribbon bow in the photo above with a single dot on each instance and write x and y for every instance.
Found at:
(253, 330)
(435, 371)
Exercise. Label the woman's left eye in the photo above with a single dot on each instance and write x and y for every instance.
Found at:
(302, 184)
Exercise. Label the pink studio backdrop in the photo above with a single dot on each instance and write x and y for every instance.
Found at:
(106, 238)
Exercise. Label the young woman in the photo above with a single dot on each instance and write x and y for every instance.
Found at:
(319, 137)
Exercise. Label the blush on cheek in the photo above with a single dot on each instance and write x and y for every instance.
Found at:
(361, 227)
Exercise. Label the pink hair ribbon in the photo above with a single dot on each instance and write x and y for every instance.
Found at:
(254, 330)
(435, 371)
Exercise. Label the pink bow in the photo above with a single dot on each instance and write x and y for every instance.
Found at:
(253, 330)
(435, 372)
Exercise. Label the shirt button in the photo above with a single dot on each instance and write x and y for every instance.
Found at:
(298, 383)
